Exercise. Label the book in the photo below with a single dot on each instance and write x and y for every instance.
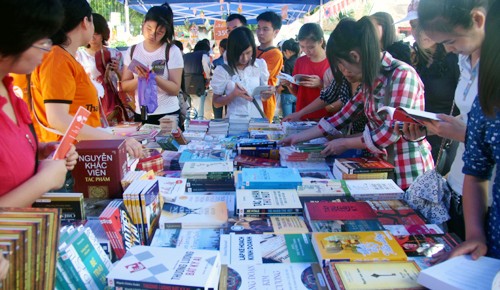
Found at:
(134, 64)
(294, 276)
(296, 79)
(266, 202)
(69, 137)
(332, 226)
(270, 178)
(375, 275)
(266, 225)
(407, 115)
(70, 203)
(338, 211)
(461, 273)
(396, 212)
(427, 245)
(346, 176)
(334, 188)
(406, 230)
(171, 188)
(363, 165)
(357, 246)
(100, 168)
(382, 189)
(199, 239)
(261, 249)
(252, 161)
(205, 169)
(207, 155)
(193, 214)
(155, 268)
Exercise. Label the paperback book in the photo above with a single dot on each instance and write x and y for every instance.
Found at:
(267, 202)
(270, 178)
(266, 225)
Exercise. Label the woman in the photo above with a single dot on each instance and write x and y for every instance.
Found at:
(459, 26)
(313, 66)
(482, 152)
(95, 58)
(384, 23)
(233, 84)
(161, 57)
(384, 81)
(291, 50)
(23, 178)
(439, 72)
(60, 84)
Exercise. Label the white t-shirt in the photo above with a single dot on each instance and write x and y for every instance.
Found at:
(166, 103)
(249, 78)
(88, 61)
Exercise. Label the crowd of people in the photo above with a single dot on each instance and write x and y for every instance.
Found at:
(56, 59)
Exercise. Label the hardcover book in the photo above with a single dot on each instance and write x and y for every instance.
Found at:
(100, 168)
(260, 249)
(396, 212)
(339, 211)
(154, 268)
(346, 176)
(357, 246)
(331, 226)
(375, 275)
(267, 202)
(270, 178)
(407, 115)
(363, 165)
(382, 189)
(296, 276)
(70, 203)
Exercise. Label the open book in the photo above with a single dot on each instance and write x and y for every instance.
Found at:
(461, 273)
(408, 115)
(293, 79)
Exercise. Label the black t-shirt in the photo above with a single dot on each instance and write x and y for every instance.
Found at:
(288, 66)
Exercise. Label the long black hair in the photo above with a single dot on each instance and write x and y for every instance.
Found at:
(75, 11)
(359, 36)
(313, 32)
(489, 69)
(240, 39)
(386, 21)
(164, 17)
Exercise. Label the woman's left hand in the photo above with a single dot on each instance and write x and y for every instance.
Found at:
(335, 147)
(71, 158)
(265, 95)
(312, 81)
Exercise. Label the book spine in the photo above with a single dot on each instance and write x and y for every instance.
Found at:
(267, 213)
(125, 284)
(375, 175)
(271, 184)
(215, 189)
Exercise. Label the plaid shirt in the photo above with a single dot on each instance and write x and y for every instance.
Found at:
(411, 158)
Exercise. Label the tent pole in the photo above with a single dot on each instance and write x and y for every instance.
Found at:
(127, 19)
(321, 14)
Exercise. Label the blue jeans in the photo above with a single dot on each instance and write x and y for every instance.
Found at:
(288, 104)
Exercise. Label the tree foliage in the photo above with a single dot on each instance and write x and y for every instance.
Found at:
(105, 7)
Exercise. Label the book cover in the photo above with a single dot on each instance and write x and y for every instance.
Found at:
(79, 119)
(339, 211)
(346, 226)
(271, 178)
(190, 214)
(267, 201)
(346, 176)
(461, 273)
(246, 161)
(200, 239)
(266, 248)
(427, 245)
(382, 189)
(357, 246)
(406, 230)
(171, 188)
(146, 267)
(266, 225)
(296, 276)
(375, 275)
(408, 115)
(205, 155)
(396, 212)
(203, 168)
(322, 189)
(363, 165)
(70, 203)
(100, 168)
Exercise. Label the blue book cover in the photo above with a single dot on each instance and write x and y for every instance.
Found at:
(207, 155)
(200, 239)
(270, 178)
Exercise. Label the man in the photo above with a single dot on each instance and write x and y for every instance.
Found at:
(268, 27)
(235, 20)
(197, 74)
(222, 50)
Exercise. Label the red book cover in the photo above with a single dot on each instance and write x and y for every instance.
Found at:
(69, 137)
(100, 168)
(395, 212)
(244, 160)
(339, 211)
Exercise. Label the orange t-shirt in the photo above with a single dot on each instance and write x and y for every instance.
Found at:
(274, 60)
(20, 86)
(61, 79)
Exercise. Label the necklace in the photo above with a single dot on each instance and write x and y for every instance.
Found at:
(474, 73)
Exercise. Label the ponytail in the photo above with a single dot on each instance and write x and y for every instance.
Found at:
(369, 50)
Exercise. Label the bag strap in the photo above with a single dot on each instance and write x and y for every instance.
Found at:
(391, 155)
(132, 49)
(262, 51)
(444, 141)
(229, 69)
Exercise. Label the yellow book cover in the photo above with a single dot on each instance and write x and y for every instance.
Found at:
(289, 225)
(357, 246)
(375, 275)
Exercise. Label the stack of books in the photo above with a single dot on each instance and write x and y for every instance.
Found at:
(204, 155)
(169, 122)
(28, 236)
(171, 160)
(238, 125)
(208, 176)
(245, 161)
(70, 203)
(258, 148)
(362, 168)
(218, 127)
(267, 202)
(287, 153)
(270, 178)
(82, 263)
(197, 126)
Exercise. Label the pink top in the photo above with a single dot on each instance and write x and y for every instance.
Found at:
(18, 146)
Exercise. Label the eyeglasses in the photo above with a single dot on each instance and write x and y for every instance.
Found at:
(45, 45)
